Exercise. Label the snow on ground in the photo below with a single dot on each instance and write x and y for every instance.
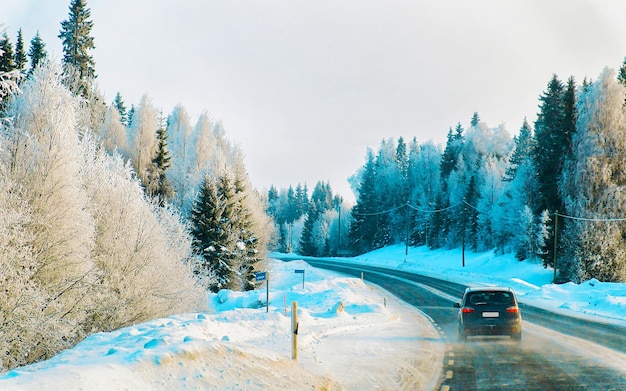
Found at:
(531, 281)
(351, 336)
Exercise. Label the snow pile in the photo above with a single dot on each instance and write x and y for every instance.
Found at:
(348, 339)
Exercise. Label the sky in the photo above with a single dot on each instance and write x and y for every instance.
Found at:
(305, 88)
(237, 344)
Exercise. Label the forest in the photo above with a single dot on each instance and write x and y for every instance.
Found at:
(553, 193)
(113, 215)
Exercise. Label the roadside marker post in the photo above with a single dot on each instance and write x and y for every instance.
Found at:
(294, 330)
(301, 271)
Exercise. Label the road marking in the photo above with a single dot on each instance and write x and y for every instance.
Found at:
(450, 363)
(449, 375)
(451, 354)
(445, 388)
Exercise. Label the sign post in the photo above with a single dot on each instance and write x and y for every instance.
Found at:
(301, 271)
(265, 276)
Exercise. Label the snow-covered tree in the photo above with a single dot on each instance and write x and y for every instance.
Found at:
(142, 138)
(594, 185)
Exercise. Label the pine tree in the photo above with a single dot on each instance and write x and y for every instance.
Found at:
(7, 63)
(159, 185)
(475, 120)
(211, 218)
(364, 217)
(20, 54)
(551, 141)
(118, 103)
(77, 42)
(37, 53)
(524, 144)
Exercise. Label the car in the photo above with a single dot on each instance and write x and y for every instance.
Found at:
(486, 311)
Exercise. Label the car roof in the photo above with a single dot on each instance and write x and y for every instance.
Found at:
(488, 289)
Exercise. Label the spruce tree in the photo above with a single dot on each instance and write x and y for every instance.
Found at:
(364, 218)
(211, 219)
(475, 120)
(77, 42)
(7, 62)
(524, 145)
(247, 245)
(37, 53)
(20, 54)
(159, 185)
(119, 105)
(551, 140)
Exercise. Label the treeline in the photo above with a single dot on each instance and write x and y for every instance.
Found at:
(555, 193)
(308, 225)
(110, 216)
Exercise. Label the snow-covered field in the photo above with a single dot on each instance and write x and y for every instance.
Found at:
(375, 342)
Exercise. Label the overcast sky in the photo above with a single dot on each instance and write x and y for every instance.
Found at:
(305, 87)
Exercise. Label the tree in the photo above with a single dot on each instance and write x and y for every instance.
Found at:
(20, 54)
(37, 53)
(159, 185)
(77, 41)
(119, 105)
(7, 58)
(142, 139)
(475, 120)
(551, 141)
(364, 217)
(593, 184)
(524, 144)
(212, 218)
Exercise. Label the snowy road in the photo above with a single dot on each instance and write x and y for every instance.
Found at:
(545, 360)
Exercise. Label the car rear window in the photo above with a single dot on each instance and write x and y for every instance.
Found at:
(489, 298)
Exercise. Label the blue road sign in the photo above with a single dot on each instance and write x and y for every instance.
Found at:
(261, 276)
(299, 271)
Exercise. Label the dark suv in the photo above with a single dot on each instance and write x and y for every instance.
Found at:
(489, 311)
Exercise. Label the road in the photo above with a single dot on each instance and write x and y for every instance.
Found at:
(557, 352)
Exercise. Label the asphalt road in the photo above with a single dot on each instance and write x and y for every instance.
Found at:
(557, 352)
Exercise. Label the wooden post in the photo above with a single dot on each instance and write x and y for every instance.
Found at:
(294, 330)
(267, 292)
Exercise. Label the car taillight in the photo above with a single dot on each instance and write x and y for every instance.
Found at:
(467, 310)
(513, 309)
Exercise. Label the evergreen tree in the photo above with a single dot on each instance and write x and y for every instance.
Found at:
(364, 216)
(211, 219)
(118, 103)
(551, 141)
(524, 144)
(621, 76)
(475, 120)
(77, 42)
(451, 153)
(20, 54)
(37, 53)
(159, 184)
(7, 56)
(131, 115)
